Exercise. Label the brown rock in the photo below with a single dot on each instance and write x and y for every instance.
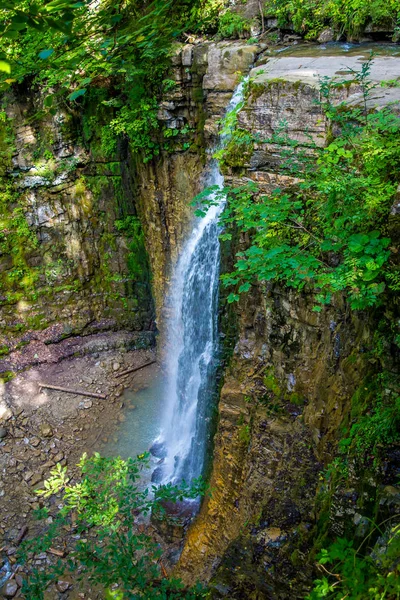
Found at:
(46, 430)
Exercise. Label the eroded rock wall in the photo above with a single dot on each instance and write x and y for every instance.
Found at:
(72, 253)
(205, 76)
(288, 389)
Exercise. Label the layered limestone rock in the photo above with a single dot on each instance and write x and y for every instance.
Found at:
(72, 253)
(205, 76)
(73, 257)
(288, 388)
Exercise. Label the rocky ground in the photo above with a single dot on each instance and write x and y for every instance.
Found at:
(41, 427)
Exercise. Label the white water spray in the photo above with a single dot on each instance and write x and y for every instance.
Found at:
(193, 338)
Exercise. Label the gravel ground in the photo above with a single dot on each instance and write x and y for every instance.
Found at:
(41, 427)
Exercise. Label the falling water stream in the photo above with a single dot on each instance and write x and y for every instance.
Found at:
(193, 338)
(174, 412)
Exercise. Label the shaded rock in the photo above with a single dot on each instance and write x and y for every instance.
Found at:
(157, 475)
(9, 589)
(326, 36)
(158, 449)
(3, 432)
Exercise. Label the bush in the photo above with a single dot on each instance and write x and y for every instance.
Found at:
(346, 16)
(102, 508)
(233, 25)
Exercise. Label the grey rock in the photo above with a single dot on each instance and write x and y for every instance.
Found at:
(62, 585)
(10, 589)
(326, 36)
(3, 432)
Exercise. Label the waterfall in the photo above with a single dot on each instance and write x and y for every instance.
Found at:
(193, 338)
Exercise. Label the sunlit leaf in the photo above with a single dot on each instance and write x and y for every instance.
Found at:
(5, 66)
(77, 94)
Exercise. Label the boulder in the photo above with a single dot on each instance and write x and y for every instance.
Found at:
(326, 36)
(9, 589)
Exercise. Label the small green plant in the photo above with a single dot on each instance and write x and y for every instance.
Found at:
(360, 572)
(245, 435)
(102, 506)
(233, 25)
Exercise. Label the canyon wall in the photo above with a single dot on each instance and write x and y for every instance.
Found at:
(288, 391)
(72, 253)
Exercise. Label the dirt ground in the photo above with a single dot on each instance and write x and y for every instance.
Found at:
(41, 427)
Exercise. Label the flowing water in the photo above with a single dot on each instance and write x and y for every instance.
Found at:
(193, 339)
(178, 405)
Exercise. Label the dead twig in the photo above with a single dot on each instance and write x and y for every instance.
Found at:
(69, 391)
(135, 369)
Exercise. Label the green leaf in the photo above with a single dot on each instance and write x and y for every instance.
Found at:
(5, 66)
(46, 53)
(77, 94)
(48, 101)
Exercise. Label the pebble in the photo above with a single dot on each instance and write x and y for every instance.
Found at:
(35, 479)
(62, 586)
(116, 366)
(10, 589)
(27, 475)
(3, 432)
(86, 404)
(7, 414)
(46, 430)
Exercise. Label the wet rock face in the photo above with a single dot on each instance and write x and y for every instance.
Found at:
(205, 76)
(289, 386)
(65, 259)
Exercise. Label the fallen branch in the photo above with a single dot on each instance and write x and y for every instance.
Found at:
(135, 369)
(60, 553)
(69, 391)
(21, 535)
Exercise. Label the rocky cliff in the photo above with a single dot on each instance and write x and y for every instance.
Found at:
(72, 252)
(80, 237)
(288, 390)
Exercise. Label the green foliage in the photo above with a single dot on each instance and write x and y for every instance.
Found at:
(233, 25)
(245, 435)
(137, 257)
(309, 17)
(374, 420)
(360, 573)
(328, 232)
(121, 49)
(16, 241)
(238, 150)
(103, 506)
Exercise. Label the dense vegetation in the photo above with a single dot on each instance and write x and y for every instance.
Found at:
(349, 17)
(329, 231)
(105, 509)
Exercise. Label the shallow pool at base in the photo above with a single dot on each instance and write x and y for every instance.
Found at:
(141, 426)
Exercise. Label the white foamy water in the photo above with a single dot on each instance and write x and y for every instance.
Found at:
(193, 338)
